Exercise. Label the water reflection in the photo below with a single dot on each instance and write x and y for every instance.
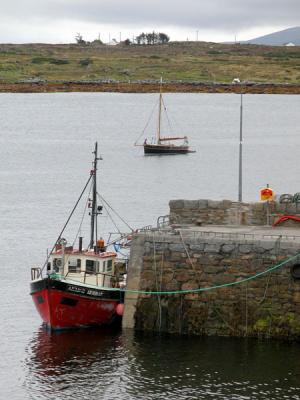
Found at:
(105, 364)
(62, 365)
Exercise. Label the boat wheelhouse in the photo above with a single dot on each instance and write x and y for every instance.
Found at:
(84, 266)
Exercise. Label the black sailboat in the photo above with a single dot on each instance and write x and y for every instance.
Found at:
(165, 144)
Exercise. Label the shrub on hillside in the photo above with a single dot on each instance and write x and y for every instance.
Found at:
(85, 62)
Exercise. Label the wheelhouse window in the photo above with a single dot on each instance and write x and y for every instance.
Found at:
(57, 263)
(91, 266)
(109, 264)
(74, 265)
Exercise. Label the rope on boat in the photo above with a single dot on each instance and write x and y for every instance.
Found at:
(146, 126)
(70, 216)
(83, 215)
(167, 115)
(110, 216)
(203, 289)
(114, 211)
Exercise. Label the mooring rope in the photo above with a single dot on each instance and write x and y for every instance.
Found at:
(188, 291)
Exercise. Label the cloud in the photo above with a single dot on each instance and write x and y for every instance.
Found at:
(214, 15)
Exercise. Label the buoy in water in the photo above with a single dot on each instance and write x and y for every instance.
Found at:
(120, 309)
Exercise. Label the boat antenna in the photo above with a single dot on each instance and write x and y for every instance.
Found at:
(159, 112)
(94, 212)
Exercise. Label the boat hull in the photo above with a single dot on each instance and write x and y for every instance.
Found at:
(165, 149)
(64, 305)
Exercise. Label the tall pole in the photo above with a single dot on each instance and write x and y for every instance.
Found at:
(197, 36)
(94, 199)
(241, 153)
(159, 112)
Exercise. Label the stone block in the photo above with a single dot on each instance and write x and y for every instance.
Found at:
(181, 265)
(227, 248)
(214, 204)
(182, 276)
(213, 269)
(203, 204)
(267, 244)
(225, 204)
(171, 286)
(196, 256)
(167, 277)
(258, 249)
(296, 297)
(148, 276)
(245, 248)
(197, 247)
(176, 204)
(146, 285)
(191, 204)
(190, 285)
(176, 247)
(212, 248)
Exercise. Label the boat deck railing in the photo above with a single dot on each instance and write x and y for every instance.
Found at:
(83, 278)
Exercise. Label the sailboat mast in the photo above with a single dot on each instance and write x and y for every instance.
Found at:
(159, 113)
(94, 199)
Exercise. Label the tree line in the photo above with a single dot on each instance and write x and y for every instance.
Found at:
(150, 38)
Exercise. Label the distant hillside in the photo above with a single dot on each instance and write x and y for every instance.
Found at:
(176, 61)
(291, 35)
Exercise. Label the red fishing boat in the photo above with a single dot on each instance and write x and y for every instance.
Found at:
(81, 286)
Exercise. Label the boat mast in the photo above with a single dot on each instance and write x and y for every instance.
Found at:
(94, 211)
(159, 112)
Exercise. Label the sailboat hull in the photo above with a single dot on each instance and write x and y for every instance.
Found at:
(165, 149)
(63, 305)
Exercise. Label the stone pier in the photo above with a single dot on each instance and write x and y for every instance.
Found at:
(211, 244)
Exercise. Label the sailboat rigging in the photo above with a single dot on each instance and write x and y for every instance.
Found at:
(165, 144)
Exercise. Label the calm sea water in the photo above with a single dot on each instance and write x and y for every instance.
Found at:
(46, 142)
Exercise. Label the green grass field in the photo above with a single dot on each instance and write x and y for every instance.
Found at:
(186, 61)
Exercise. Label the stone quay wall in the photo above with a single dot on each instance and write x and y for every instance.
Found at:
(227, 212)
(176, 260)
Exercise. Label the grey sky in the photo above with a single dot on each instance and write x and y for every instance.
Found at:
(56, 20)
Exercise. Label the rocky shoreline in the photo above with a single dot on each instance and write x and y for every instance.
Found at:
(146, 87)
